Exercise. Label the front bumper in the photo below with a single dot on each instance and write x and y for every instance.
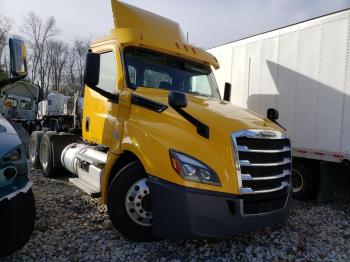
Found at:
(180, 212)
(20, 185)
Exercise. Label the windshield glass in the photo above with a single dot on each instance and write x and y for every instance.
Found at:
(156, 70)
(24, 104)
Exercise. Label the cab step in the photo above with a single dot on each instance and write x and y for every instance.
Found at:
(87, 188)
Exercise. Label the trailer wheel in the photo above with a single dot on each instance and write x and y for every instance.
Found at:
(129, 203)
(17, 220)
(34, 146)
(46, 155)
(304, 186)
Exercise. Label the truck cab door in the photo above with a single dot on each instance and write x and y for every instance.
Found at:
(100, 112)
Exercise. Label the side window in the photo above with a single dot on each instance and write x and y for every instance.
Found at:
(108, 72)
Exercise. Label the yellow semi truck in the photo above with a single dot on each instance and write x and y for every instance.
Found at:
(168, 156)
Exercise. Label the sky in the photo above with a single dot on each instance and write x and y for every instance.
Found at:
(209, 23)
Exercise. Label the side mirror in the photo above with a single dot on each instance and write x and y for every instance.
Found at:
(92, 69)
(177, 99)
(272, 114)
(227, 92)
(18, 58)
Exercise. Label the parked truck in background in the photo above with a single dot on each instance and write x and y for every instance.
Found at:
(17, 205)
(303, 71)
(55, 113)
(167, 155)
(19, 103)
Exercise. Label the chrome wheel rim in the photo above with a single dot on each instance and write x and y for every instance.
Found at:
(138, 203)
(297, 181)
(43, 154)
(32, 150)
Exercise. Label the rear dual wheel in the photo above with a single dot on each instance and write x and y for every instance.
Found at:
(34, 146)
(129, 203)
(46, 155)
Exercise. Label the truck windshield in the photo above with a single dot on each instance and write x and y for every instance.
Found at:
(156, 70)
(24, 104)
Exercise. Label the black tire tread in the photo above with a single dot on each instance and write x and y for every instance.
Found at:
(309, 189)
(17, 220)
(36, 136)
(117, 190)
(50, 171)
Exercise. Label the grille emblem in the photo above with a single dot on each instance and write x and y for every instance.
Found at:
(266, 133)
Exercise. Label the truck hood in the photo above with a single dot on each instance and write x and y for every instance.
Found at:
(8, 136)
(214, 113)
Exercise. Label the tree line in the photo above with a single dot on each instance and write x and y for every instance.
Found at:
(53, 64)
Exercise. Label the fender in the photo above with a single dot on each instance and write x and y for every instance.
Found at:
(144, 149)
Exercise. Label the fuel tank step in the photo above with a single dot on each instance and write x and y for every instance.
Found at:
(87, 188)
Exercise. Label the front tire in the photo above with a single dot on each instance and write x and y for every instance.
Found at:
(129, 206)
(17, 220)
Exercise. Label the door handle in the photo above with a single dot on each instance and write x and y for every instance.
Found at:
(87, 123)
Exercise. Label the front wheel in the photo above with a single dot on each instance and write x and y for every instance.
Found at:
(129, 203)
(17, 219)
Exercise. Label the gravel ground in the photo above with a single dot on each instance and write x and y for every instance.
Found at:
(71, 226)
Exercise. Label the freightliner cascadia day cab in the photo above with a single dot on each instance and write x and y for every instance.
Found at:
(17, 205)
(303, 71)
(167, 155)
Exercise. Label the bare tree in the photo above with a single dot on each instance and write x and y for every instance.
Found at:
(38, 33)
(5, 27)
(75, 65)
(69, 71)
(80, 48)
(54, 64)
(59, 60)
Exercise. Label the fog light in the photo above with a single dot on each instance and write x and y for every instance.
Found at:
(10, 172)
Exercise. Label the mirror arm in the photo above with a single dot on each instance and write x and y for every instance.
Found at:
(114, 98)
(285, 129)
(275, 121)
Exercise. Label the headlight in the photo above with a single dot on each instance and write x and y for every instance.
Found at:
(13, 155)
(192, 169)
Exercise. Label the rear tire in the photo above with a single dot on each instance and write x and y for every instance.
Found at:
(303, 181)
(46, 155)
(34, 146)
(17, 220)
(121, 218)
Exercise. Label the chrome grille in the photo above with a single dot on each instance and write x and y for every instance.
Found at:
(263, 163)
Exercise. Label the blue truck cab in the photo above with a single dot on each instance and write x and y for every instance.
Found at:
(17, 204)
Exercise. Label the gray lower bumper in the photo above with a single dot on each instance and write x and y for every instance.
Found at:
(180, 212)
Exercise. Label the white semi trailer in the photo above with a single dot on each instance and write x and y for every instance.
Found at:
(303, 71)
